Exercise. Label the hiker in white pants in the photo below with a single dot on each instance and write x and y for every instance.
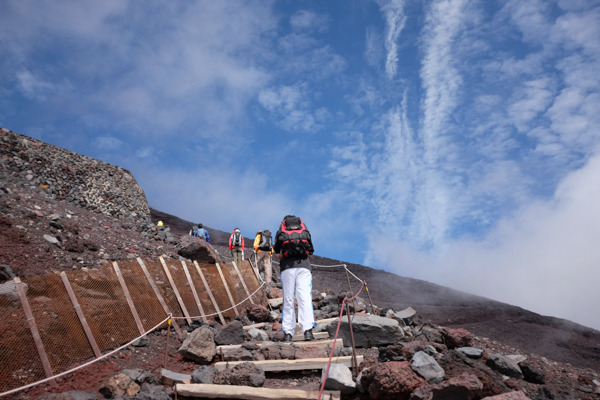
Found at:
(293, 246)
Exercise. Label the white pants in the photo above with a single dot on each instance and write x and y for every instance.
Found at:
(297, 281)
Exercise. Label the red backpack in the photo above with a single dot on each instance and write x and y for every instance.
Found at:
(295, 237)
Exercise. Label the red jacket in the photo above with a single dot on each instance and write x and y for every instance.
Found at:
(231, 246)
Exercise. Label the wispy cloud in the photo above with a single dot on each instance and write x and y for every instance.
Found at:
(393, 11)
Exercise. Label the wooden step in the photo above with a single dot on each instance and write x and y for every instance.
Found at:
(320, 343)
(318, 335)
(292, 365)
(250, 393)
(262, 324)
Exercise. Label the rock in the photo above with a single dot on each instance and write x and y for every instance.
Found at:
(251, 346)
(51, 239)
(170, 378)
(197, 249)
(339, 378)
(74, 245)
(239, 354)
(277, 336)
(518, 358)
(531, 373)
(471, 352)
(426, 366)
(391, 380)
(562, 392)
(6, 272)
(310, 351)
(429, 333)
(381, 331)
(504, 365)
(408, 314)
(199, 346)
(141, 342)
(278, 351)
(464, 386)
(204, 374)
(406, 351)
(244, 374)
(257, 334)
(454, 338)
(518, 395)
(358, 383)
(258, 313)
(153, 392)
(9, 290)
(139, 376)
(119, 385)
(275, 315)
(276, 303)
(275, 293)
(232, 333)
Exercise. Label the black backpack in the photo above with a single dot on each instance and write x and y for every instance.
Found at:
(265, 240)
(236, 238)
(295, 237)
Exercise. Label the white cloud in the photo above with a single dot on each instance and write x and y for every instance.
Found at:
(109, 143)
(309, 21)
(534, 97)
(393, 11)
(543, 258)
(34, 87)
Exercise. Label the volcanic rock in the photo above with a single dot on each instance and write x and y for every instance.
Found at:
(232, 333)
(373, 330)
(204, 374)
(339, 378)
(504, 365)
(454, 338)
(426, 366)
(278, 351)
(258, 313)
(518, 395)
(391, 380)
(199, 346)
(119, 385)
(244, 374)
(238, 354)
(310, 352)
(197, 249)
(470, 352)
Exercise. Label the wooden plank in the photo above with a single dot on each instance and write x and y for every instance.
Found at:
(243, 283)
(210, 391)
(261, 324)
(257, 326)
(79, 312)
(172, 282)
(212, 298)
(227, 289)
(191, 282)
(317, 335)
(34, 330)
(319, 343)
(158, 295)
(136, 317)
(292, 365)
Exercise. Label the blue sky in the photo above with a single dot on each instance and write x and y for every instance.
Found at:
(448, 140)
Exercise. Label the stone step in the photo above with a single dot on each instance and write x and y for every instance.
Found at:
(292, 365)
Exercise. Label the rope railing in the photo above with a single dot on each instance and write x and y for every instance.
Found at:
(83, 365)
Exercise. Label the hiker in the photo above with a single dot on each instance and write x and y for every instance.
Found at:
(236, 245)
(264, 251)
(293, 247)
(199, 231)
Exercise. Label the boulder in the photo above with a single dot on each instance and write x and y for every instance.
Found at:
(372, 330)
(454, 338)
(338, 378)
(391, 380)
(6, 272)
(471, 352)
(258, 313)
(232, 333)
(531, 373)
(244, 374)
(197, 249)
(464, 386)
(153, 392)
(429, 333)
(275, 293)
(407, 315)
(278, 351)
(204, 374)
(239, 354)
(309, 351)
(504, 365)
(119, 384)
(257, 334)
(426, 366)
(139, 376)
(199, 346)
(518, 358)
(407, 350)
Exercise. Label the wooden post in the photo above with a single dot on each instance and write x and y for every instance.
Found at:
(179, 299)
(189, 278)
(157, 292)
(243, 283)
(34, 330)
(227, 289)
(80, 315)
(136, 317)
(212, 298)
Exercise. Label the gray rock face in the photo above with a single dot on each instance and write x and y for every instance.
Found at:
(239, 354)
(278, 351)
(429, 334)
(245, 374)
(471, 352)
(339, 378)
(531, 373)
(199, 346)
(258, 335)
(232, 333)
(426, 366)
(204, 374)
(139, 376)
(382, 331)
(504, 365)
(197, 249)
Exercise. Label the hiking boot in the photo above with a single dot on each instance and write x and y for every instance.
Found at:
(287, 338)
(308, 335)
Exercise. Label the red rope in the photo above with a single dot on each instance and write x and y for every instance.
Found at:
(336, 336)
